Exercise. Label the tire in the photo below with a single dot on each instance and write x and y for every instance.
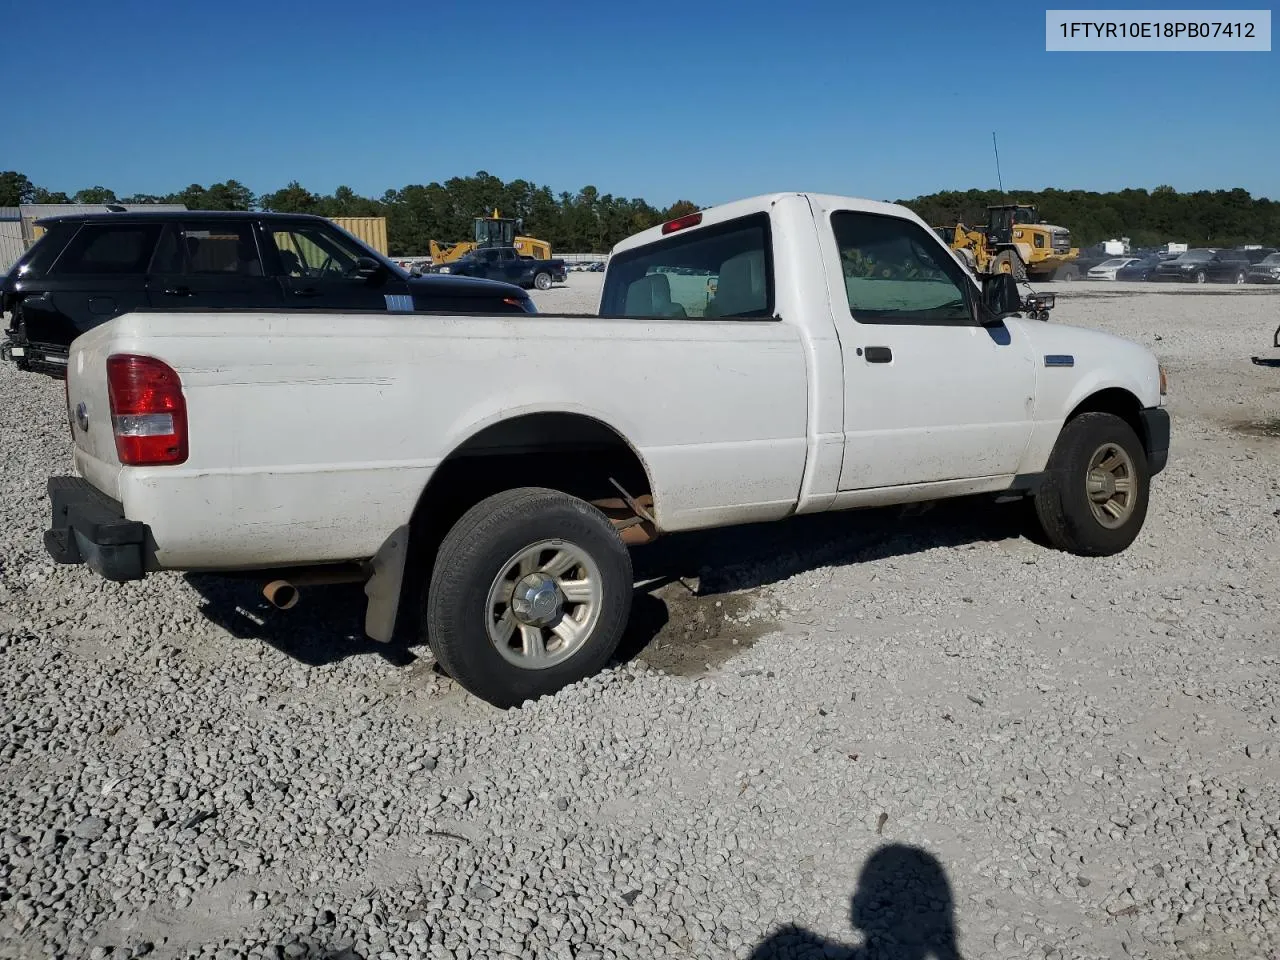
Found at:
(1007, 261)
(542, 281)
(1200, 277)
(1067, 513)
(467, 575)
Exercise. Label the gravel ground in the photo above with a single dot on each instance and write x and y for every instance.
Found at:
(853, 736)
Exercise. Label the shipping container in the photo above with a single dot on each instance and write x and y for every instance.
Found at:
(372, 230)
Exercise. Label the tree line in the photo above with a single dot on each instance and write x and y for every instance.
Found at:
(585, 221)
(591, 221)
(1204, 218)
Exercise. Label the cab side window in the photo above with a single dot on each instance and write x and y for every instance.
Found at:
(896, 272)
(208, 249)
(308, 250)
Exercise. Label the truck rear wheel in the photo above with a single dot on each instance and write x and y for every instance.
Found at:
(1093, 500)
(542, 281)
(531, 591)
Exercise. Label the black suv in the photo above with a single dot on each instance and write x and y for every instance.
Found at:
(88, 268)
(1205, 264)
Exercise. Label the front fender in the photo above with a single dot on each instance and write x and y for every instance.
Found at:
(1074, 364)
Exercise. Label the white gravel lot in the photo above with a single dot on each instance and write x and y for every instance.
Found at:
(850, 736)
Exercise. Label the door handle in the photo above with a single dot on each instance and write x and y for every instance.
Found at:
(878, 354)
(177, 291)
(306, 292)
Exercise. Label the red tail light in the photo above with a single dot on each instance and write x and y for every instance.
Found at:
(148, 411)
(679, 223)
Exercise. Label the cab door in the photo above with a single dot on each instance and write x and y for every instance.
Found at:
(930, 394)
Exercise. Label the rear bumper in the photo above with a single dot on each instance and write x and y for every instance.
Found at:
(1155, 437)
(89, 527)
(41, 357)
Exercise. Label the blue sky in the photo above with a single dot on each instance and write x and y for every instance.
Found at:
(707, 101)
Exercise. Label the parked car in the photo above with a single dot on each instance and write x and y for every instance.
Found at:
(488, 477)
(1201, 265)
(1266, 270)
(88, 268)
(1107, 269)
(505, 263)
(1139, 268)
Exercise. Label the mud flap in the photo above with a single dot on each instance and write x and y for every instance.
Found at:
(384, 585)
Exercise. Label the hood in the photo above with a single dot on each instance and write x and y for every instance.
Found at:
(1175, 265)
(448, 285)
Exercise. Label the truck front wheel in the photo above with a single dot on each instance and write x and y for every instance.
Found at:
(1093, 500)
(531, 591)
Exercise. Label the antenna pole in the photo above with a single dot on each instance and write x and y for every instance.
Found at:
(996, 147)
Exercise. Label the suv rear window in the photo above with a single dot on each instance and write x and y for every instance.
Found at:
(724, 270)
(109, 248)
(43, 252)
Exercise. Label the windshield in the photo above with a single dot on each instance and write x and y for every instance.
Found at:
(1194, 256)
(1271, 260)
(1117, 262)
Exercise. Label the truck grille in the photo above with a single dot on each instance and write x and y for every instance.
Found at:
(1061, 242)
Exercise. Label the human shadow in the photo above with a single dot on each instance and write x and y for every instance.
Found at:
(902, 906)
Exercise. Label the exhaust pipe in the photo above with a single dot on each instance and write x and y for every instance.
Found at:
(283, 593)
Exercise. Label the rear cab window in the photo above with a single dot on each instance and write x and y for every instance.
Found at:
(720, 271)
(108, 248)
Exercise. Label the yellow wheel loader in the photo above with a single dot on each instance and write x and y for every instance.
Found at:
(494, 231)
(1015, 241)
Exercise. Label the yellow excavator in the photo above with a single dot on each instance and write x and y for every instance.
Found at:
(494, 231)
(1014, 241)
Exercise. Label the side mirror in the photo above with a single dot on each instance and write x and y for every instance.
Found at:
(366, 268)
(1000, 297)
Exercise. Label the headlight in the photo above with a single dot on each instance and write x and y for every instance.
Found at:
(444, 269)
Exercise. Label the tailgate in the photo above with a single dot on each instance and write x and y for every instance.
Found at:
(89, 411)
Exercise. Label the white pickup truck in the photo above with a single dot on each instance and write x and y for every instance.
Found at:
(484, 475)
